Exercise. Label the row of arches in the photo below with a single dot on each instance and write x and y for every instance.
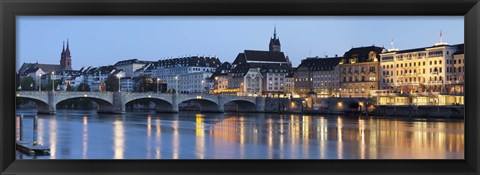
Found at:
(160, 105)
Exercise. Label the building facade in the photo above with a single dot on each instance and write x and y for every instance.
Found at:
(186, 74)
(422, 76)
(359, 71)
(256, 73)
(220, 78)
(318, 76)
(130, 66)
(290, 84)
(126, 84)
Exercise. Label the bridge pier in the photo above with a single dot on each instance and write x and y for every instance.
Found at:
(221, 105)
(51, 108)
(118, 103)
(260, 103)
(175, 103)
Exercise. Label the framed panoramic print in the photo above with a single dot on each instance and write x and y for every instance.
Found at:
(239, 87)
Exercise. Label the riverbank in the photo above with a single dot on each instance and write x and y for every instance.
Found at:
(395, 111)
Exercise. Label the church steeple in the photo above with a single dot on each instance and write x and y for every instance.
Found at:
(274, 45)
(63, 49)
(66, 59)
(274, 31)
(68, 48)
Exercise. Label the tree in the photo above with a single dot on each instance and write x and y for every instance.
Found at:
(55, 84)
(27, 84)
(83, 87)
(111, 83)
(70, 87)
(144, 83)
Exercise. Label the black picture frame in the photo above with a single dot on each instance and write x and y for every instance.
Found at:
(9, 9)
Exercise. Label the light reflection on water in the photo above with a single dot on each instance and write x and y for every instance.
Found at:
(144, 135)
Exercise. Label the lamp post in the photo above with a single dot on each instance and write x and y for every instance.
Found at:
(176, 85)
(241, 88)
(303, 104)
(158, 80)
(119, 76)
(53, 83)
(39, 83)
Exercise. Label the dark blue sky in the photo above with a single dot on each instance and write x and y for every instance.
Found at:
(105, 40)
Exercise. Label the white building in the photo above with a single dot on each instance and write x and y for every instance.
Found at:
(126, 84)
(256, 73)
(191, 73)
(130, 66)
(95, 77)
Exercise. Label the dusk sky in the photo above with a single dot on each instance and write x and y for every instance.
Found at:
(98, 41)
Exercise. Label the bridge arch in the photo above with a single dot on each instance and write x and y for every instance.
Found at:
(204, 104)
(42, 105)
(104, 106)
(161, 105)
(240, 105)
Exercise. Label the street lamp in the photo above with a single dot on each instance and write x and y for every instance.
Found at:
(241, 88)
(158, 79)
(303, 104)
(119, 76)
(176, 85)
(53, 84)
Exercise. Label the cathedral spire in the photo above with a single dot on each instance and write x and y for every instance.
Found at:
(68, 49)
(66, 59)
(274, 45)
(274, 31)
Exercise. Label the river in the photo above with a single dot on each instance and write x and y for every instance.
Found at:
(76, 134)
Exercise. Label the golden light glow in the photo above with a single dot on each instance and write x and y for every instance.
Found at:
(200, 133)
(157, 139)
(118, 139)
(53, 138)
(149, 135)
(176, 140)
(85, 137)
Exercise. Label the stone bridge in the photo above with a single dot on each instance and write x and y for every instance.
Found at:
(115, 102)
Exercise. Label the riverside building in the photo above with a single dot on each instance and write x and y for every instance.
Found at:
(186, 74)
(359, 71)
(220, 78)
(256, 73)
(318, 77)
(422, 76)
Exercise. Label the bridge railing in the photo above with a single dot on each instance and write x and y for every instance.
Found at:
(200, 95)
(31, 92)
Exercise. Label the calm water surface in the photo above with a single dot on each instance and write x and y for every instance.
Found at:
(75, 134)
